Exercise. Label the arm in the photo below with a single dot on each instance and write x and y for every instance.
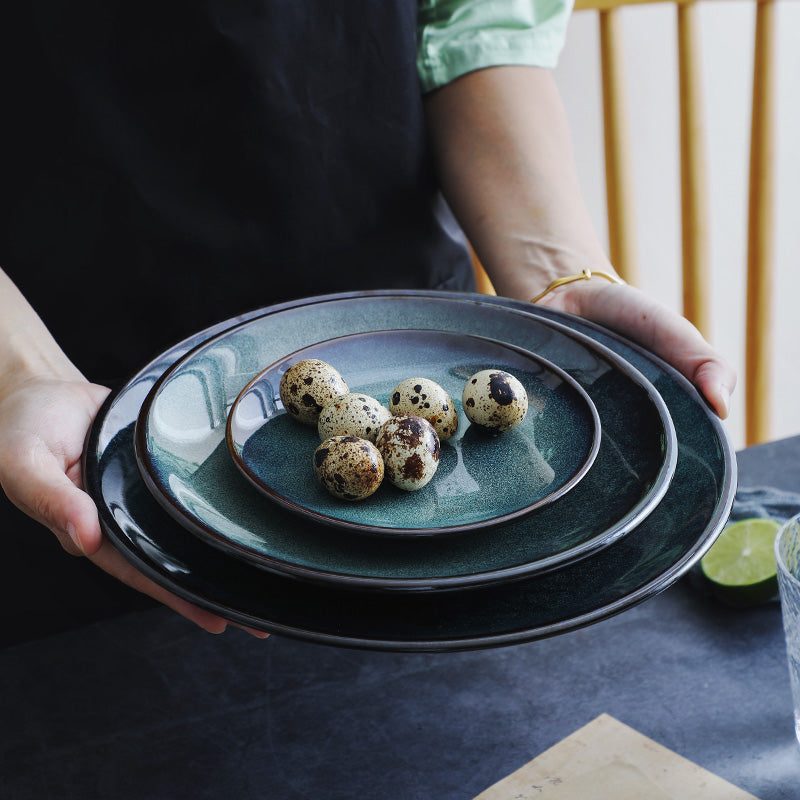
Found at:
(46, 408)
(505, 162)
(30, 359)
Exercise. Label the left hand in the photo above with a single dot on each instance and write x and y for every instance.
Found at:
(502, 147)
(43, 424)
(645, 320)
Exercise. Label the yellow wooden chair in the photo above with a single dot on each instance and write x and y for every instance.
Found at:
(694, 206)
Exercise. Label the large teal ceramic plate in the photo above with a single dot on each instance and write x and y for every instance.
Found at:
(185, 462)
(482, 479)
(649, 558)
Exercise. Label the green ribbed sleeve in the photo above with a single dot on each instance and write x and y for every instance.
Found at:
(459, 36)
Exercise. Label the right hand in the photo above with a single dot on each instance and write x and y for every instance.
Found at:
(43, 425)
(644, 319)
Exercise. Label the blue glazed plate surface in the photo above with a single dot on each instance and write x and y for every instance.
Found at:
(670, 539)
(481, 479)
(184, 459)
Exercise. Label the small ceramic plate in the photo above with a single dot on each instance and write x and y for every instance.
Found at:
(481, 480)
(661, 547)
(184, 459)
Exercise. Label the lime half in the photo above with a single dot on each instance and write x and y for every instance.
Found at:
(740, 565)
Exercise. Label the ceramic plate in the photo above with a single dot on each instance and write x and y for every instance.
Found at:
(496, 478)
(649, 558)
(186, 464)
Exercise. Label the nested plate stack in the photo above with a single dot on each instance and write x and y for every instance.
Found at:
(616, 482)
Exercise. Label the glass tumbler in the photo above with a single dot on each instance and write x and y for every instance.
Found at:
(787, 554)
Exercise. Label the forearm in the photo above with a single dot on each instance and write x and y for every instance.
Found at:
(27, 349)
(505, 161)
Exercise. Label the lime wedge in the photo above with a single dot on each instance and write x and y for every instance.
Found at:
(740, 565)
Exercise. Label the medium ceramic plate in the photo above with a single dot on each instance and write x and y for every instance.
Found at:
(484, 479)
(184, 460)
(672, 537)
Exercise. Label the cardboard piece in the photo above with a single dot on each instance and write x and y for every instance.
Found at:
(606, 760)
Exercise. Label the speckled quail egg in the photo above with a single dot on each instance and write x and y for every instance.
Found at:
(349, 467)
(410, 450)
(352, 414)
(425, 398)
(308, 386)
(495, 399)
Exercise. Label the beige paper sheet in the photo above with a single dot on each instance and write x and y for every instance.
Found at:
(606, 760)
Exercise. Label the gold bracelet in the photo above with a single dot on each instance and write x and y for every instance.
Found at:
(581, 276)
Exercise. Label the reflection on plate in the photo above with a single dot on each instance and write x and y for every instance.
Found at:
(648, 559)
(185, 462)
(481, 479)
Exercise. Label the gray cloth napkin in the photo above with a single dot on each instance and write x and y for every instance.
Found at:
(763, 501)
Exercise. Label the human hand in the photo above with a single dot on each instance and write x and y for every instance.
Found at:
(645, 320)
(43, 425)
(502, 147)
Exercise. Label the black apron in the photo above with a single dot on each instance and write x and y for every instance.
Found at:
(174, 165)
(171, 165)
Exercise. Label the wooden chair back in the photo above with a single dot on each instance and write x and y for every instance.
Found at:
(693, 186)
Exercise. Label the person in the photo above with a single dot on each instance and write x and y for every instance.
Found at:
(167, 171)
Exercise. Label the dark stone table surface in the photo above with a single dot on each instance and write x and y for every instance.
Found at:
(146, 706)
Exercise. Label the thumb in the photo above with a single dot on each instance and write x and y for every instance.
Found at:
(47, 495)
(714, 380)
(666, 333)
(82, 522)
(675, 339)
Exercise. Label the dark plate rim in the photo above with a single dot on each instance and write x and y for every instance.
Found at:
(659, 582)
(621, 527)
(393, 531)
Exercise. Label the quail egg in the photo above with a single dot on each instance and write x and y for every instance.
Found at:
(410, 450)
(425, 398)
(307, 387)
(352, 414)
(495, 399)
(349, 467)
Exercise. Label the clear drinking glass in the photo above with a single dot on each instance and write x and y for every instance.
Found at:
(787, 554)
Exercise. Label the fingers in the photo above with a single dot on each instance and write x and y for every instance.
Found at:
(89, 538)
(81, 535)
(677, 341)
(42, 490)
(716, 383)
(112, 562)
(40, 446)
(39, 487)
(643, 319)
(252, 631)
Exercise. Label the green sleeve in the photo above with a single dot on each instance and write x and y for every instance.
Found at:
(459, 36)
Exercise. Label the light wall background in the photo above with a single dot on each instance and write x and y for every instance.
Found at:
(650, 58)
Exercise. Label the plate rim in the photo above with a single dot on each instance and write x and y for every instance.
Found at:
(411, 533)
(660, 581)
(282, 566)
